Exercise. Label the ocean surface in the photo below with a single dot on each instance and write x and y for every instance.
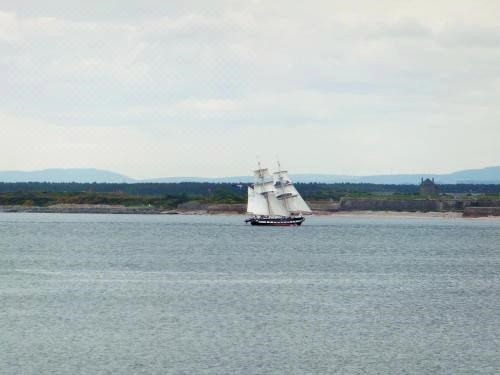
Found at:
(118, 294)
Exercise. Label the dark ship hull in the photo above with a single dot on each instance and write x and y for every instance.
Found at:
(292, 221)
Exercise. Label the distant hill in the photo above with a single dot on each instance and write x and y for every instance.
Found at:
(485, 175)
(64, 175)
(489, 175)
(234, 179)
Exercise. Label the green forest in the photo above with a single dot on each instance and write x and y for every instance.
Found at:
(169, 195)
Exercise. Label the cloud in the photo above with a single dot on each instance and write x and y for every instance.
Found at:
(404, 28)
(471, 36)
(335, 68)
(158, 150)
(9, 32)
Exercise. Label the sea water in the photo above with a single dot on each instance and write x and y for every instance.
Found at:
(119, 294)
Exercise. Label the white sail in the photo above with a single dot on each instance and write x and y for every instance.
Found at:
(274, 195)
(273, 200)
(281, 177)
(276, 206)
(296, 204)
(287, 192)
(266, 187)
(265, 204)
(257, 203)
(262, 175)
(281, 182)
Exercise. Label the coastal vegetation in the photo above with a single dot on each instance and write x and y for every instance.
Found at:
(170, 195)
(44, 199)
(323, 190)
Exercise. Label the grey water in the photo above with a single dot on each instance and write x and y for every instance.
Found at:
(119, 294)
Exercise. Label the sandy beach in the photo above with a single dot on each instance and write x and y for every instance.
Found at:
(109, 209)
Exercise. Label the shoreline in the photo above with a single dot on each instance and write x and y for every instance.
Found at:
(108, 209)
(410, 215)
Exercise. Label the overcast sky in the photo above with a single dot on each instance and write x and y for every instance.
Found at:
(167, 88)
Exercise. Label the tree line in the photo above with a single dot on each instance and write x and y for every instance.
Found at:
(231, 192)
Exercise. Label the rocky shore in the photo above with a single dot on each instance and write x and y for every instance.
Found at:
(192, 208)
(423, 208)
(83, 209)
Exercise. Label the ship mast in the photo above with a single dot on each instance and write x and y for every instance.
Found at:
(280, 179)
(273, 197)
(288, 194)
(261, 175)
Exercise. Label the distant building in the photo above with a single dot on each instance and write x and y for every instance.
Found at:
(428, 187)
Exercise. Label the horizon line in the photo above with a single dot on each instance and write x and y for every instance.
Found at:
(423, 174)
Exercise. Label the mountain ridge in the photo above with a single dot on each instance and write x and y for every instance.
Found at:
(488, 175)
(83, 175)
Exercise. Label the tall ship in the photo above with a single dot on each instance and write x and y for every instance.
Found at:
(274, 201)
